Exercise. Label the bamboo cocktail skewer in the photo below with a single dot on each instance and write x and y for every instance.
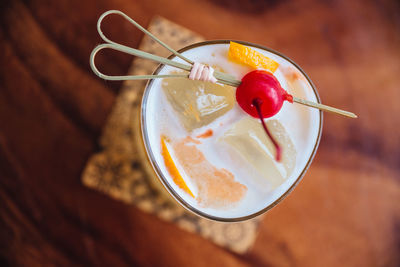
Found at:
(324, 107)
(222, 78)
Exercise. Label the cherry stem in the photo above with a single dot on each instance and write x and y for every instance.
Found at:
(257, 102)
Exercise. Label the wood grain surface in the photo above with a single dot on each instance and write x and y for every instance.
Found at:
(346, 210)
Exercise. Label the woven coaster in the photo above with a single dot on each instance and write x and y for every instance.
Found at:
(121, 169)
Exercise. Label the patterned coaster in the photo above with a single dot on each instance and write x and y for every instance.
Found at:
(122, 170)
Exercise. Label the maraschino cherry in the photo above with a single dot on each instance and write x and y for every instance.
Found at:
(261, 96)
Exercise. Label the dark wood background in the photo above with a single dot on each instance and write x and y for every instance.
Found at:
(346, 210)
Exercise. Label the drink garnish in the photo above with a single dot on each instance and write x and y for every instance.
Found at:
(172, 169)
(222, 78)
(264, 100)
(248, 56)
(264, 86)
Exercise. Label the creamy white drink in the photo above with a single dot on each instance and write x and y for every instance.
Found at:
(197, 131)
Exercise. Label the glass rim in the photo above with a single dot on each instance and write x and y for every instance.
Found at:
(162, 178)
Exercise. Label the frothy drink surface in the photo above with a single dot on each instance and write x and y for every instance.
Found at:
(219, 160)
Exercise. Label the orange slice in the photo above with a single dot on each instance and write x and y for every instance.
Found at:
(248, 56)
(172, 169)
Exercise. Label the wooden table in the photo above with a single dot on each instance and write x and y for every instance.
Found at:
(346, 210)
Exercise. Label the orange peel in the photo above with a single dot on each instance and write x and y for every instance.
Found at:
(172, 169)
(248, 56)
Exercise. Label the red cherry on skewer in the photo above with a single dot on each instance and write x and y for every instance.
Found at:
(261, 84)
(261, 96)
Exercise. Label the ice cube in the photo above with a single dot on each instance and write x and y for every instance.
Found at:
(248, 139)
(198, 103)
